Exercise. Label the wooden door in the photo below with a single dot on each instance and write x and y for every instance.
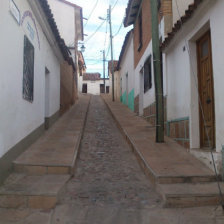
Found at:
(206, 92)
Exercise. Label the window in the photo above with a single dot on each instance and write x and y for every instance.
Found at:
(28, 70)
(147, 74)
(140, 30)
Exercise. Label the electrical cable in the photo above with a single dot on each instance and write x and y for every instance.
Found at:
(114, 5)
(92, 35)
(94, 7)
(202, 112)
(118, 29)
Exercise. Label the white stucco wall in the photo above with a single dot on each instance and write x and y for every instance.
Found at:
(64, 15)
(182, 72)
(127, 67)
(18, 116)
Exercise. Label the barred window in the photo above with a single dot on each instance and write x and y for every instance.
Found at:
(147, 74)
(28, 70)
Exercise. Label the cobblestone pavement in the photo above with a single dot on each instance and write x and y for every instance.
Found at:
(109, 186)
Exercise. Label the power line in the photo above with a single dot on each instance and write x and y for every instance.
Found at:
(118, 29)
(114, 5)
(105, 40)
(95, 32)
(94, 7)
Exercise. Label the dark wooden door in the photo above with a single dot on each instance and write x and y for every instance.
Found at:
(84, 88)
(205, 82)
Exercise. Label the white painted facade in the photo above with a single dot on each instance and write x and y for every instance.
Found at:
(64, 16)
(18, 116)
(127, 74)
(181, 72)
(148, 98)
(93, 87)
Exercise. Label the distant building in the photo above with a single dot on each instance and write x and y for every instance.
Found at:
(92, 83)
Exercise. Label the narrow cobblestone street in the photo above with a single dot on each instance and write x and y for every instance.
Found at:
(109, 185)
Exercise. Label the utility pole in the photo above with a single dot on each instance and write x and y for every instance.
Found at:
(104, 71)
(111, 44)
(157, 72)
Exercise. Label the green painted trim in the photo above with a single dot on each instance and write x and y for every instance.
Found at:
(153, 115)
(124, 98)
(6, 160)
(49, 121)
(131, 100)
(179, 119)
(182, 139)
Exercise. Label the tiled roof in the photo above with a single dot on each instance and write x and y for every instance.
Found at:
(61, 43)
(70, 3)
(131, 12)
(177, 26)
(91, 76)
(123, 49)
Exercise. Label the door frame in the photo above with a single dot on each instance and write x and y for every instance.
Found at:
(201, 120)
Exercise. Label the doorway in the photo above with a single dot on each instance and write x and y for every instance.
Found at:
(84, 88)
(206, 92)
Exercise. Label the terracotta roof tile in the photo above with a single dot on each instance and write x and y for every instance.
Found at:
(91, 76)
(177, 26)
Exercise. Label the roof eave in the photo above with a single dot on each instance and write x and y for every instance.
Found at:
(131, 12)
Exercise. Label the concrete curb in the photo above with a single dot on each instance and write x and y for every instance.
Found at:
(78, 143)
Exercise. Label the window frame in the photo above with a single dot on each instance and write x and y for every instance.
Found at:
(28, 70)
(148, 78)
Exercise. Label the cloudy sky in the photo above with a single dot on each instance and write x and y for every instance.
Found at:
(99, 41)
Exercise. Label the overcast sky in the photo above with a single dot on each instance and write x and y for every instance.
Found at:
(100, 41)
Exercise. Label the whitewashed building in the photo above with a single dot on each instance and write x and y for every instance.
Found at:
(31, 53)
(92, 83)
(138, 85)
(125, 67)
(194, 70)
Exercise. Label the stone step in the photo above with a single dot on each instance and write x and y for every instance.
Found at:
(189, 194)
(31, 191)
(186, 179)
(43, 169)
